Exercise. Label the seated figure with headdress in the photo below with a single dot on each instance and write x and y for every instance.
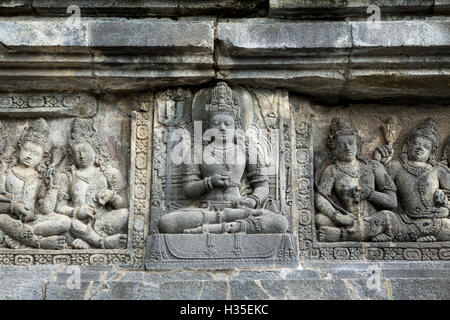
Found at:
(355, 195)
(92, 193)
(423, 185)
(27, 218)
(217, 180)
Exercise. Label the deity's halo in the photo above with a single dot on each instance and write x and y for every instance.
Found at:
(241, 96)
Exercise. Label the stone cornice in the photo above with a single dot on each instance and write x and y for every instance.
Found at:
(333, 60)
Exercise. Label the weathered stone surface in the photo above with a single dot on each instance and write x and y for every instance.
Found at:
(337, 9)
(50, 35)
(398, 280)
(338, 60)
(147, 8)
(101, 54)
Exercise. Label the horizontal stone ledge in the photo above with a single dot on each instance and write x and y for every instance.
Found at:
(312, 280)
(341, 84)
(152, 36)
(345, 9)
(270, 37)
(130, 8)
(338, 60)
(99, 81)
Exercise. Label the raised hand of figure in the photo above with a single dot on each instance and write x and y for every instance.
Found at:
(384, 154)
(440, 198)
(105, 196)
(86, 211)
(343, 220)
(53, 175)
(220, 180)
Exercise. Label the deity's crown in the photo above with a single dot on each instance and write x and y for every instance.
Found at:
(222, 102)
(38, 132)
(82, 128)
(340, 128)
(427, 129)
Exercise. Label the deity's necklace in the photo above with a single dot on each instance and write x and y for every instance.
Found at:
(351, 174)
(415, 171)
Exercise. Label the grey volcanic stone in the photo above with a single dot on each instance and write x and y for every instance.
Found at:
(104, 54)
(265, 37)
(336, 9)
(147, 8)
(311, 280)
(157, 35)
(339, 60)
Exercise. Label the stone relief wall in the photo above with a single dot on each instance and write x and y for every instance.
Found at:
(233, 207)
(65, 171)
(381, 183)
(114, 180)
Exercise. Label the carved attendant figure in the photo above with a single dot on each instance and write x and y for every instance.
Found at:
(362, 188)
(22, 186)
(218, 178)
(93, 193)
(422, 184)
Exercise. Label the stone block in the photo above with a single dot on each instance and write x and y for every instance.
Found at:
(339, 9)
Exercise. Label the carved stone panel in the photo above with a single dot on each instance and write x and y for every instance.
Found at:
(372, 187)
(222, 179)
(73, 180)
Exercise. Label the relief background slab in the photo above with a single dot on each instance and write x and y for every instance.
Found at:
(122, 123)
(367, 119)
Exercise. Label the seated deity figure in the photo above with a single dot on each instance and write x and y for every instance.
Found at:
(422, 185)
(354, 195)
(217, 180)
(92, 193)
(26, 216)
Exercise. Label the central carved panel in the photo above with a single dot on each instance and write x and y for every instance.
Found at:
(221, 185)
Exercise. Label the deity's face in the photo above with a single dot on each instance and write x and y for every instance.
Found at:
(346, 148)
(83, 154)
(419, 149)
(224, 123)
(31, 154)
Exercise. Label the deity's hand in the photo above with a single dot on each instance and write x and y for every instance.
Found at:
(105, 196)
(220, 180)
(54, 176)
(23, 213)
(384, 154)
(355, 194)
(440, 198)
(365, 192)
(245, 203)
(439, 212)
(85, 211)
(342, 220)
